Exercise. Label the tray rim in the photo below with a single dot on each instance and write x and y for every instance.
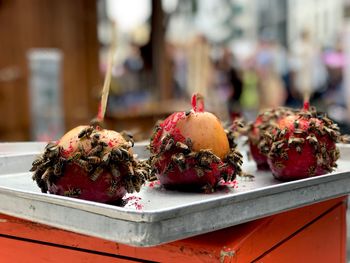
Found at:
(150, 216)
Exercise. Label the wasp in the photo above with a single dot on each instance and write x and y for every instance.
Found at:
(165, 140)
(332, 133)
(112, 187)
(115, 172)
(36, 163)
(72, 192)
(50, 145)
(299, 131)
(59, 166)
(183, 147)
(323, 151)
(125, 154)
(86, 132)
(96, 150)
(180, 160)
(84, 164)
(106, 158)
(141, 173)
(312, 139)
(128, 137)
(234, 158)
(96, 174)
(268, 135)
(129, 186)
(283, 132)
(311, 171)
(279, 165)
(327, 121)
(293, 140)
(116, 154)
(94, 159)
(312, 124)
(204, 161)
(52, 152)
(246, 176)
(75, 156)
(46, 175)
(189, 143)
(306, 114)
(298, 149)
(168, 169)
(95, 140)
(199, 171)
(284, 155)
(169, 144)
(296, 124)
(136, 183)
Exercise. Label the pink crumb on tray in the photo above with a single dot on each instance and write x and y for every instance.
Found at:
(154, 184)
(134, 201)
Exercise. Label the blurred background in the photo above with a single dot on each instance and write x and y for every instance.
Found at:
(243, 55)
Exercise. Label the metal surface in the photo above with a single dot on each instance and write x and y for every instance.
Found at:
(154, 215)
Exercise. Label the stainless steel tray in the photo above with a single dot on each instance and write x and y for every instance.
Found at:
(155, 216)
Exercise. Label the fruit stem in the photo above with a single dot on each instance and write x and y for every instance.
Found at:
(197, 102)
(306, 97)
(306, 106)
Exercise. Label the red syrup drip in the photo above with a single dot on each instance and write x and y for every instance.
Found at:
(67, 152)
(154, 184)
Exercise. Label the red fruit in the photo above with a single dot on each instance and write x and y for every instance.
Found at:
(191, 150)
(303, 145)
(265, 122)
(89, 163)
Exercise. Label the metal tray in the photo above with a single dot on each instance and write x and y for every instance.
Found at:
(155, 216)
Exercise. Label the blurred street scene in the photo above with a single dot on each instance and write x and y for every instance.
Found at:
(244, 56)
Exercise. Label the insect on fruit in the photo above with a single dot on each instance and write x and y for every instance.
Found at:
(309, 147)
(185, 158)
(86, 158)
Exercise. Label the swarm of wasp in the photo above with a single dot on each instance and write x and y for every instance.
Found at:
(90, 163)
(303, 145)
(191, 151)
(258, 130)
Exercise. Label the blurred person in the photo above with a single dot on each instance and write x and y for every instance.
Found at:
(309, 74)
(334, 97)
(228, 83)
(334, 60)
(178, 60)
(271, 88)
(133, 65)
(249, 99)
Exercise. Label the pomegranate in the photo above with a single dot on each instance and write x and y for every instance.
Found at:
(303, 145)
(264, 122)
(192, 151)
(90, 163)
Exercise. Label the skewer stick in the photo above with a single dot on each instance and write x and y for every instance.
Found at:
(108, 76)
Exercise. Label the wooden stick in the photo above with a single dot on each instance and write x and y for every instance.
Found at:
(108, 76)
